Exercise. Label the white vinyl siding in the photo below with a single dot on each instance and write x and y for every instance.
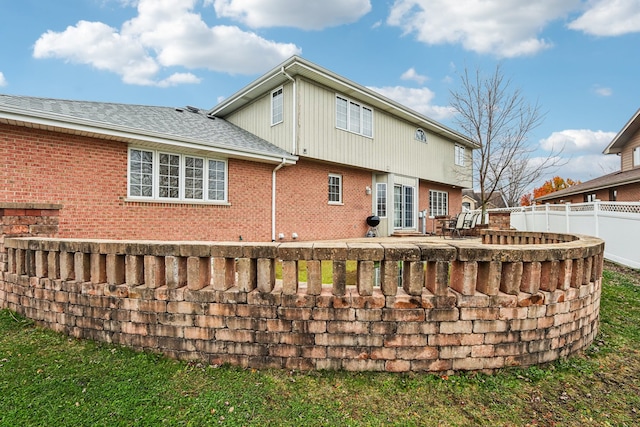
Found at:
(277, 106)
(354, 117)
(335, 189)
(154, 175)
(438, 203)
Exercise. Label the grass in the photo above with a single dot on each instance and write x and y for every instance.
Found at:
(51, 380)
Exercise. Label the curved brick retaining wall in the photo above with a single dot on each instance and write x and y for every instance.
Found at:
(511, 299)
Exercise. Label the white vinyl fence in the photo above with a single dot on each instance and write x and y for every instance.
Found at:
(617, 223)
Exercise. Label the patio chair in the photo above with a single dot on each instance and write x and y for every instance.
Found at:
(470, 222)
(457, 225)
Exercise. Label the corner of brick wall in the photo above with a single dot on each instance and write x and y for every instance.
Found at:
(26, 219)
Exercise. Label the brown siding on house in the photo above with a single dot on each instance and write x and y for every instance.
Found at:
(625, 193)
(626, 156)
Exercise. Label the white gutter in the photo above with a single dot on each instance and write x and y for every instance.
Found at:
(294, 123)
(273, 199)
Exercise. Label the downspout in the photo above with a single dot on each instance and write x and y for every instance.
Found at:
(273, 199)
(294, 124)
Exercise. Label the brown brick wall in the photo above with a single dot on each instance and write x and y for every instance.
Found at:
(487, 314)
(88, 177)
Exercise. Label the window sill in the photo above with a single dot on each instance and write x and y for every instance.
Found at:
(336, 204)
(174, 202)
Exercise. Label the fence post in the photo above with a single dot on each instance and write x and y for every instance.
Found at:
(596, 219)
(546, 217)
(567, 211)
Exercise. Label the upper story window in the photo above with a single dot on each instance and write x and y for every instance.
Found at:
(459, 155)
(636, 156)
(277, 109)
(421, 135)
(354, 117)
(156, 175)
(335, 189)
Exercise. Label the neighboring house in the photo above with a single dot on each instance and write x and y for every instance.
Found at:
(471, 200)
(301, 153)
(622, 185)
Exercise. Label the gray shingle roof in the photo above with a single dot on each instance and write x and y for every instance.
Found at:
(169, 123)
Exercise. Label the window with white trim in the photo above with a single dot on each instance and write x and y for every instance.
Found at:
(277, 108)
(335, 188)
(459, 155)
(381, 199)
(421, 135)
(636, 156)
(354, 117)
(155, 175)
(438, 203)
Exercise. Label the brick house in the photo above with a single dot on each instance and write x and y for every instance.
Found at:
(622, 185)
(300, 153)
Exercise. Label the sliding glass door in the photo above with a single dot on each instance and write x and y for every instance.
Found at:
(404, 206)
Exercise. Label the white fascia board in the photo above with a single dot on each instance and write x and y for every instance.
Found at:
(88, 127)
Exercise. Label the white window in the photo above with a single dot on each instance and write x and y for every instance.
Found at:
(335, 189)
(193, 178)
(157, 175)
(276, 106)
(141, 173)
(438, 203)
(421, 135)
(354, 117)
(169, 176)
(459, 155)
(636, 156)
(381, 199)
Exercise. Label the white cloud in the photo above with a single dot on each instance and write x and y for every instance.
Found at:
(307, 15)
(582, 141)
(411, 74)
(416, 99)
(164, 34)
(505, 28)
(609, 18)
(603, 91)
(3, 81)
(589, 166)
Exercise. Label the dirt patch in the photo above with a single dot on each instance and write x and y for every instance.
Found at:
(632, 274)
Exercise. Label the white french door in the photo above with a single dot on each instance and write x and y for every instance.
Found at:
(404, 206)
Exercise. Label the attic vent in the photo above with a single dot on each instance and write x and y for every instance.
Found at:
(193, 109)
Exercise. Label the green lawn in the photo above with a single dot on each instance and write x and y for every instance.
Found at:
(50, 380)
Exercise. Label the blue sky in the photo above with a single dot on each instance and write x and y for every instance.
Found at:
(577, 58)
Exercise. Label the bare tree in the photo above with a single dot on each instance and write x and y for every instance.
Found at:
(499, 119)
